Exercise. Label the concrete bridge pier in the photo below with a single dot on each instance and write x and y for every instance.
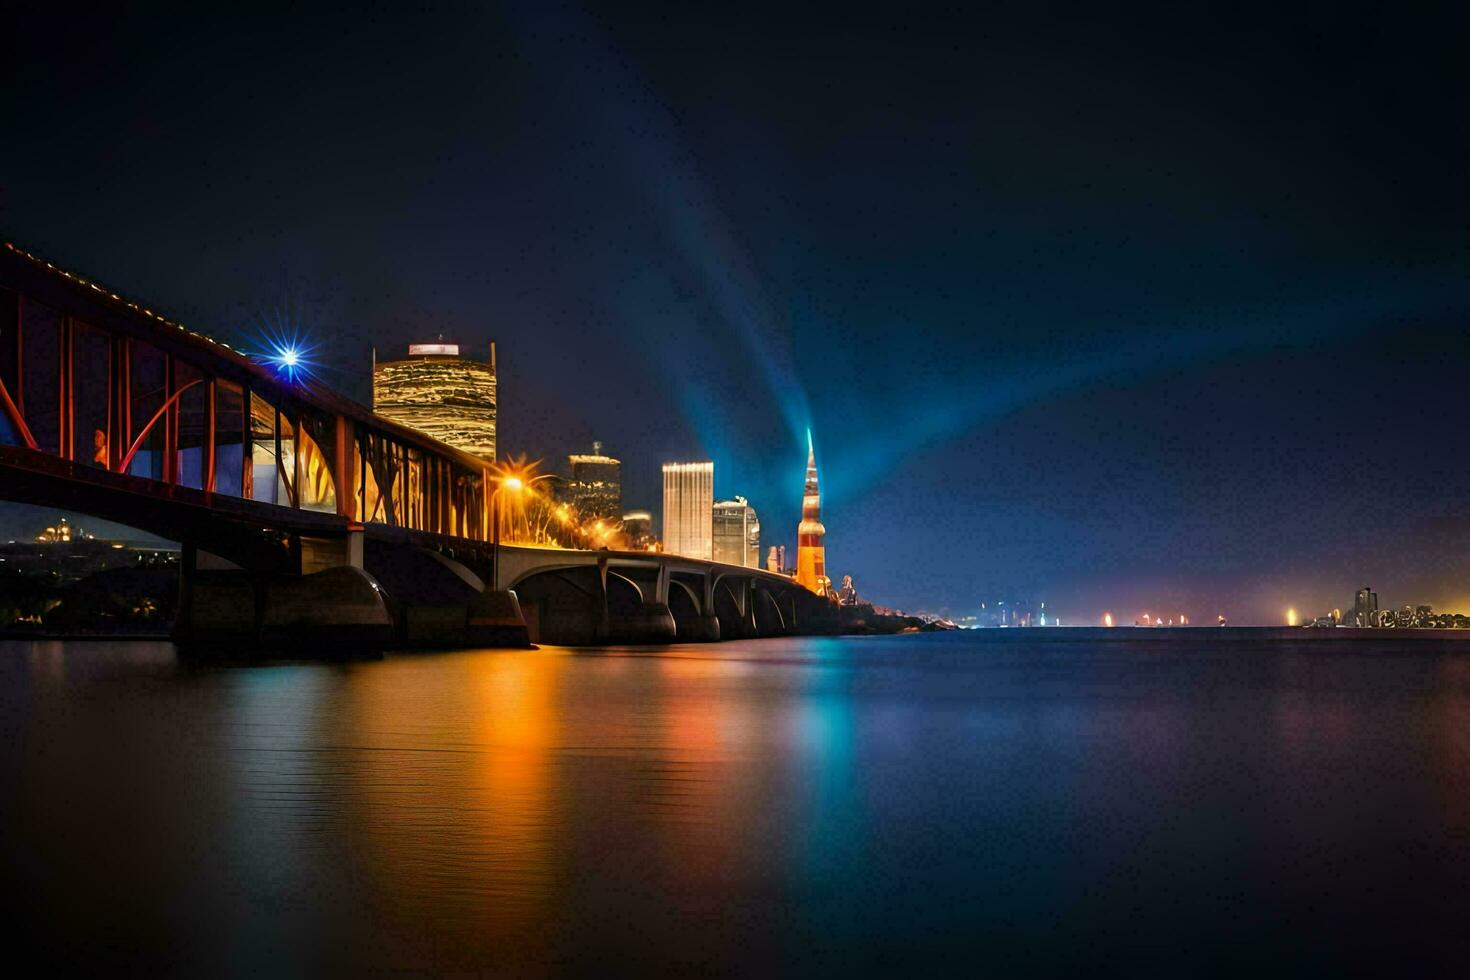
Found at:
(637, 604)
(325, 608)
(494, 619)
(649, 622)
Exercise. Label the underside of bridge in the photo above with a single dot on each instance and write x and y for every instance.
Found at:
(639, 598)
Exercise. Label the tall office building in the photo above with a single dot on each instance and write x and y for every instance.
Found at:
(595, 487)
(689, 501)
(811, 554)
(737, 533)
(441, 394)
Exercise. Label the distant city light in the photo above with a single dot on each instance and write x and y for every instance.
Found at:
(1107, 619)
(1291, 617)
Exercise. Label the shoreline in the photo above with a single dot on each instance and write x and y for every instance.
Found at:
(1227, 634)
(1089, 634)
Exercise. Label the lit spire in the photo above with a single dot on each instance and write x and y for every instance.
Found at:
(811, 475)
(811, 561)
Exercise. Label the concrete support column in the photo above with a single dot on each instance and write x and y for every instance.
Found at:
(188, 561)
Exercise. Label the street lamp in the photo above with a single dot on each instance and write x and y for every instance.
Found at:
(514, 485)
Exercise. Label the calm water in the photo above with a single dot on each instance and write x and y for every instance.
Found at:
(872, 805)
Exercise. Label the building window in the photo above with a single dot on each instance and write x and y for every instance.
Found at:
(229, 438)
(9, 362)
(286, 472)
(263, 470)
(318, 490)
(415, 512)
(40, 362)
(395, 494)
(193, 425)
(91, 395)
(147, 391)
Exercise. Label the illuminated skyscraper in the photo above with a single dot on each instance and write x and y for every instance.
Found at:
(441, 394)
(689, 501)
(737, 533)
(595, 488)
(811, 556)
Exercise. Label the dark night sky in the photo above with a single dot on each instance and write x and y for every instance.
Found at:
(1131, 310)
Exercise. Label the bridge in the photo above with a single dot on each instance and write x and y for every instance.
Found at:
(305, 519)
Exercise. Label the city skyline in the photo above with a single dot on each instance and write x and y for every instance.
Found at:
(1065, 332)
(274, 437)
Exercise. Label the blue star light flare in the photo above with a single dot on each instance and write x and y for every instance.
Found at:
(290, 356)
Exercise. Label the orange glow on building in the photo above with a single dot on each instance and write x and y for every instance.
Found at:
(811, 555)
(442, 394)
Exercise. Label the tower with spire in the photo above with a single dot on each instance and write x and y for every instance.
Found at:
(811, 556)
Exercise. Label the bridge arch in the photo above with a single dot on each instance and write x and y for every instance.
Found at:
(729, 606)
(564, 604)
(684, 602)
(768, 618)
(786, 602)
(624, 597)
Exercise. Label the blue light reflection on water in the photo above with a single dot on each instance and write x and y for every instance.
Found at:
(832, 841)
